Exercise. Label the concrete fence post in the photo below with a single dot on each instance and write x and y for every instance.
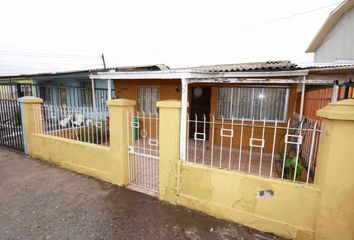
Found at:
(27, 116)
(118, 120)
(335, 172)
(169, 137)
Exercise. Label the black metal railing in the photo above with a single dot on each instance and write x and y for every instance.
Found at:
(10, 124)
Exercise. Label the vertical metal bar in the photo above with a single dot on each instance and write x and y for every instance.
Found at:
(96, 124)
(144, 162)
(297, 152)
(231, 141)
(60, 114)
(285, 149)
(250, 154)
(195, 140)
(273, 148)
(212, 141)
(311, 151)
(204, 125)
(188, 123)
(129, 155)
(241, 139)
(139, 150)
(261, 155)
(221, 141)
(92, 124)
(150, 153)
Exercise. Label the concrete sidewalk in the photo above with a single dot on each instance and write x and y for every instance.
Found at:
(41, 201)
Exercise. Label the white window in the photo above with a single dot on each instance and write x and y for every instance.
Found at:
(258, 103)
(147, 99)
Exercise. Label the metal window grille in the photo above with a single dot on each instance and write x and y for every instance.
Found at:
(147, 99)
(253, 103)
(274, 150)
(83, 124)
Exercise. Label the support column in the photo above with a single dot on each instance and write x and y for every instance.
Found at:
(335, 172)
(93, 93)
(27, 118)
(184, 106)
(303, 90)
(169, 138)
(335, 91)
(109, 87)
(118, 117)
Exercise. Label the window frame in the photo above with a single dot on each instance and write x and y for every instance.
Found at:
(286, 107)
(138, 100)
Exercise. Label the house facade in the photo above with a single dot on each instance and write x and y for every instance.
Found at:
(217, 100)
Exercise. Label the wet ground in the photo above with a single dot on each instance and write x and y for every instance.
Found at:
(41, 201)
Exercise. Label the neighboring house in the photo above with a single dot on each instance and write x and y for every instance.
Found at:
(334, 41)
(71, 88)
(333, 50)
(12, 87)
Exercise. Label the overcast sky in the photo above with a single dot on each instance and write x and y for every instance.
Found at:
(136, 32)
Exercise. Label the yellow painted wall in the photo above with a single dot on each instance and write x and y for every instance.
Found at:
(291, 212)
(334, 172)
(105, 163)
(89, 159)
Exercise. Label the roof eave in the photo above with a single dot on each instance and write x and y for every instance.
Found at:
(179, 74)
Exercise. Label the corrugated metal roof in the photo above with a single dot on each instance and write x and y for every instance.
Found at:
(311, 65)
(255, 66)
(340, 66)
(154, 67)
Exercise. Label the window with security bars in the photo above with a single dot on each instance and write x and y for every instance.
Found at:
(258, 103)
(147, 99)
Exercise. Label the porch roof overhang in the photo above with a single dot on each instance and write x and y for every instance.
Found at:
(294, 76)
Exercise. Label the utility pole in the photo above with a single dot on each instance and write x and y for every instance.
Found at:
(104, 62)
(109, 83)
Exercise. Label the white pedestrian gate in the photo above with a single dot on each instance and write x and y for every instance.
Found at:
(143, 152)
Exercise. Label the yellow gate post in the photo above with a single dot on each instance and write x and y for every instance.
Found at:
(335, 172)
(170, 112)
(118, 114)
(27, 118)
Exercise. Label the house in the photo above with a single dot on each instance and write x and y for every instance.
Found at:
(75, 88)
(12, 87)
(71, 88)
(222, 102)
(333, 59)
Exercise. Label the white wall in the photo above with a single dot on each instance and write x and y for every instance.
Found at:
(339, 43)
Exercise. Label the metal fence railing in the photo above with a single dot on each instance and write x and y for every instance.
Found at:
(10, 124)
(82, 124)
(269, 149)
(143, 150)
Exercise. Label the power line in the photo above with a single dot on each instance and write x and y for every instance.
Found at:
(289, 16)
